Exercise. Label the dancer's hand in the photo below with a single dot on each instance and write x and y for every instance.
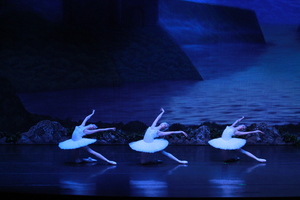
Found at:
(184, 133)
(113, 129)
(258, 131)
(162, 110)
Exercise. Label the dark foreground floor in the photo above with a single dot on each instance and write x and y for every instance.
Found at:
(44, 170)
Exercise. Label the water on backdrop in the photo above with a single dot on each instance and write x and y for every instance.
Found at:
(260, 82)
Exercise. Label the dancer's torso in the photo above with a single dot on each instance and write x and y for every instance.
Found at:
(150, 134)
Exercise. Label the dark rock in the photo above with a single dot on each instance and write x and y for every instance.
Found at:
(135, 127)
(196, 135)
(45, 132)
(271, 135)
(108, 138)
(203, 135)
(177, 127)
(52, 132)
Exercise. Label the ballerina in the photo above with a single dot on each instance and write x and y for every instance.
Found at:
(78, 142)
(151, 144)
(226, 142)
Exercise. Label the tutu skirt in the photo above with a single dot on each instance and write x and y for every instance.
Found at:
(151, 147)
(71, 144)
(230, 144)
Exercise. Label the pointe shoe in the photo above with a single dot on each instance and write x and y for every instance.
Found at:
(112, 162)
(77, 161)
(261, 160)
(183, 162)
(89, 160)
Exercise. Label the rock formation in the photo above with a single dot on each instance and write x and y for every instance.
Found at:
(44, 132)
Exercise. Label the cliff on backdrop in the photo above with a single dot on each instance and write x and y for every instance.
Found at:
(86, 44)
(67, 44)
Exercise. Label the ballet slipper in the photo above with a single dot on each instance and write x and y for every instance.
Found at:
(112, 162)
(79, 160)
(261, 160)
(89, 159)
(183, 162)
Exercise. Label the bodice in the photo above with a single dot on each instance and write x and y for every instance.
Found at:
(150, 134)
(228, 133)
(78, 133)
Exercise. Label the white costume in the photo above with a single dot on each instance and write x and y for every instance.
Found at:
(226, 141)
(150, 143)
(77, 141)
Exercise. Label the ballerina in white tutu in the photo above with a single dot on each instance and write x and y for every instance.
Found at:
(227, 142)
(151, 143)
(77, 141)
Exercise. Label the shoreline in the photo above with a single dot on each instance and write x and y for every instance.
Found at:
(52, 132)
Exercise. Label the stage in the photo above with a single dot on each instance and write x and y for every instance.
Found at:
(39, 170)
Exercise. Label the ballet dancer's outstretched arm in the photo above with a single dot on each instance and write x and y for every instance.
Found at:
(92, 131)
(248, 132)
(87, 118)
(164, 133)
(237, 121)
(158, 117)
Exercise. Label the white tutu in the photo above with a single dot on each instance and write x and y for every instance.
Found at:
(230, 144)
(151, 147)
(71, 144)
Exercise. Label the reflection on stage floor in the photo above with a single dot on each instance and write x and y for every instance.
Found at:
(48, 170)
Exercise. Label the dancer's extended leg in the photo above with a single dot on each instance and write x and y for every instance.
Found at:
(98, 155)
(252, 156)
(174, 158)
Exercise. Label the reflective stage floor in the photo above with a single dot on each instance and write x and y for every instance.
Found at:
(40, 170)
